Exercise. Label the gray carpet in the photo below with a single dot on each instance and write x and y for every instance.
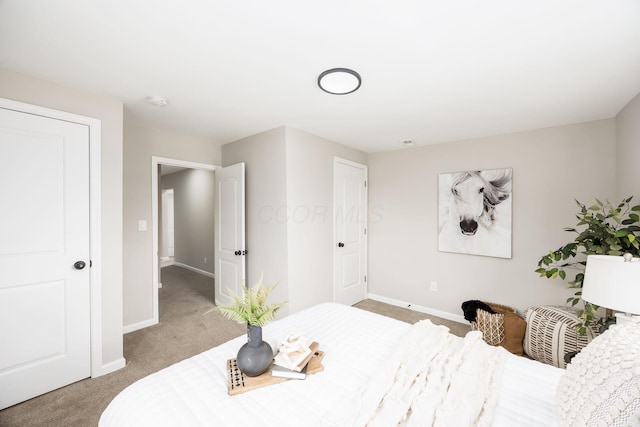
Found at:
(411, 316)
(184, 330)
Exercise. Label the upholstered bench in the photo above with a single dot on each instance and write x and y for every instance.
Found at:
(551, 333)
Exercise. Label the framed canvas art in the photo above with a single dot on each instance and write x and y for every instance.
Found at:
(474, 212)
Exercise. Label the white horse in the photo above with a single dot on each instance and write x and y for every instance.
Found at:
(475, 215)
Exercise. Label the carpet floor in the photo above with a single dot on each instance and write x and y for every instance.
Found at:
(186, 328)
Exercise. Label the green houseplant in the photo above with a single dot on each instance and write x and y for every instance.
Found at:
(255, 356)
(602, 229)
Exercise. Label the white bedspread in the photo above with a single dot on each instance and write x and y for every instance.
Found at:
(359, 348)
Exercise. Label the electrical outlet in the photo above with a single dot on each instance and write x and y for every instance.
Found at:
(205, 260)
(433, 286)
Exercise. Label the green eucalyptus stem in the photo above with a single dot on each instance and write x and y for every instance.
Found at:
(602, 229)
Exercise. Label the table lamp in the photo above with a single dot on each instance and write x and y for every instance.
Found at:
(614, 282)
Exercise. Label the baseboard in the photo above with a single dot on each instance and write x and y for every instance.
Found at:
(140, 325)
(197, 270)
(111, 367)
(426, 310)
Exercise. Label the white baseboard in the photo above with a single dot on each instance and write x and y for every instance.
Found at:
(426, 310)
(197, 270)
(135, 326)
(111, 367)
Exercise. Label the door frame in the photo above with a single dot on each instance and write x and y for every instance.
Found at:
(95, 221)
(365, 202)
(155, 221)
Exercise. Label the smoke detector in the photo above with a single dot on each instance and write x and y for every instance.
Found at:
(158, 101)
(408, 142)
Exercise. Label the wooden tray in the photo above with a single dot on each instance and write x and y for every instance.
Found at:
(239, 383)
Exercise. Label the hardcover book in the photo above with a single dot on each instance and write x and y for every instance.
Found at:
(282, 372)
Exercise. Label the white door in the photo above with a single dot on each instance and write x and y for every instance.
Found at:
(350, 230)
(44, 241)
(229, 236)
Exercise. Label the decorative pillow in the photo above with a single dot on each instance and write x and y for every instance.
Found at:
(514, 330)
(491, 326)
(504, 327)
(601, 386)
(551, 333)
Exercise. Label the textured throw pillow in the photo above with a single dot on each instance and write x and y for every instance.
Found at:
(601, 386)
(504, 327)
(551, 333)
(491, 326)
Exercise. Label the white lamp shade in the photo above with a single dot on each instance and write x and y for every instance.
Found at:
(612, 282)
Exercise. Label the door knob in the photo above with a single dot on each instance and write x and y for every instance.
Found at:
(340, 245)
(79, 265)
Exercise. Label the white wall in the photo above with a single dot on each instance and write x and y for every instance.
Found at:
(551, 168)
(628, 150)
(27, 89)
(140, 144)
(266, 192)
(310, 215)
(194, 197)
(289, 208)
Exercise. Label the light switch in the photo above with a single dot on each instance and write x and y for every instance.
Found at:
(142, 225)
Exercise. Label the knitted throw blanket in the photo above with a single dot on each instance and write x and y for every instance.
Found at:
(434, 378)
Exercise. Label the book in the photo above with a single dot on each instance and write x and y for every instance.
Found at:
(286, 361)
(281, 372)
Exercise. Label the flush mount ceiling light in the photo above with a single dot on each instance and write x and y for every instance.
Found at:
(158, 101)
(339, 81)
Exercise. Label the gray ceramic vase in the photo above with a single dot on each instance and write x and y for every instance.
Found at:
(254, 357)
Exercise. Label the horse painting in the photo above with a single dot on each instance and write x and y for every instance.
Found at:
(475, 212)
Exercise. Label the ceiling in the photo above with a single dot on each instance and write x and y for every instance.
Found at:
(169, 169)
(432, 70)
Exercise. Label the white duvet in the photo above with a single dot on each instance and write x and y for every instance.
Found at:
(378, 371)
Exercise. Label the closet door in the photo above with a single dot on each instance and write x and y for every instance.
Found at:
(350, 231)
(44, 255)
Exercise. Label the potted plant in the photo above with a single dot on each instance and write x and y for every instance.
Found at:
(255, 356)
(602, 229)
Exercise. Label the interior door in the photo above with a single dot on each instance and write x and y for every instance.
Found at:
(230, 251)
(44, 255)
(350, 228)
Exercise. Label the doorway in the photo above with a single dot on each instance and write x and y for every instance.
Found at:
(167, 227)
(159, 164)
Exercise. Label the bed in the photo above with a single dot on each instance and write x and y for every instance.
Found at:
(377, 371)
